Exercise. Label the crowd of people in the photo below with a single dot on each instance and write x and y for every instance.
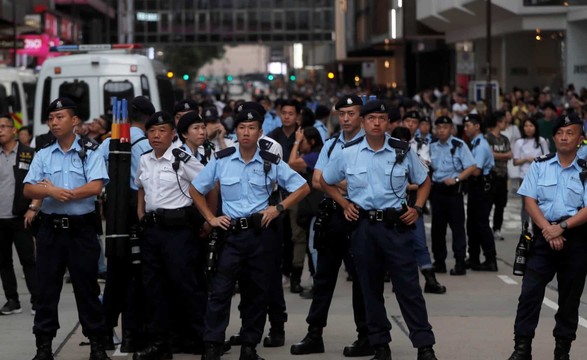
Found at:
(239, 196)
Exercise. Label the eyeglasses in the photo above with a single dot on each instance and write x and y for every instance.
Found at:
(2, 127)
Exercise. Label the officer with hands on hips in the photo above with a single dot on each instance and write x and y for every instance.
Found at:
(376, 168)
(246, 176)
(451, 163)
(555, 197)
(67, 174)
(169, 247)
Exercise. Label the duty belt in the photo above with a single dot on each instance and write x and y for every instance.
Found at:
(380, 215)
(65, 222)
(252, 222)
(170, 217)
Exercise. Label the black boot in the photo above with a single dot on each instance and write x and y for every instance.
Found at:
(432, 285)
(439, 267)
(522, 349)
(312, 343)
(359, 347)
(562, 348)
(460, 268)
(295, 280)
(488, 265)
(236, 340)
(97, 348)
(212, 351)
(248, 352)
(382, 352)
(276, 336)
(426, 353)
(109, 340)
(158, 349)
(129, 343)
(44, 351)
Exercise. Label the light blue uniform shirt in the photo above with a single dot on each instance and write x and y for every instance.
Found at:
(559, 191)
(322, 129)
(136, 150)
(482, 154)
(375, 180)
(447, 165)
(323, 157)
(582, 152)
(244, 187)
(271, 121)
(66, 170)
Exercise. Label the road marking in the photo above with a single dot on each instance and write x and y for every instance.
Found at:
(508, 280)
(117, 353)
(554, 306)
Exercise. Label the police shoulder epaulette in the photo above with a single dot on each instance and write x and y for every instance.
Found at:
(456, 143)
(434, 140)
(545, 157)
(88, 143)
(181, 155)
(51, 142)
(225, 152)
(272, 158)
(265, 144)
(147, 152)
(582, 163)
(353, 142)
(398, 144)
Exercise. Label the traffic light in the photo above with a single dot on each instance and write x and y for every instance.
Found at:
(292, 77)
(229, 78)
(170, 74)
(330, 75)
(186, 77)
(202, 78)
(270, 77)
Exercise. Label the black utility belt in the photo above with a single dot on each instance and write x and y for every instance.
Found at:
(65, 222)
(330, 206)
(171, 217)
(252, 222)
(388, 216)
(479, 180)
(456, 189)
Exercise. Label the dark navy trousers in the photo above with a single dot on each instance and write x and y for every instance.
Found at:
(447, 209)
(377, 249)
(478, 230)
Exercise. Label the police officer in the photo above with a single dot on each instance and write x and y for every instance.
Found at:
(479, 204)
(246, 176)
(451, 163)
(192, 133)
(67, 174)
(123, 292)
(331, 251)
(411, 121)
(16, 215)
(555, 197)
(169, 247)
(184, 106)
(216, 131)
(376, 168)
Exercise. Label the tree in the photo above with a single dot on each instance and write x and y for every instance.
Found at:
(189, 59)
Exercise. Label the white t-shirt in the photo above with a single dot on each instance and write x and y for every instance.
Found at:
(458, 119)
(525, 148)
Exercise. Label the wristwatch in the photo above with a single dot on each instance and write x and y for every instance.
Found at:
(419, 210)
(33, 207)
(280, 208)
(457, 180)
(564, 225)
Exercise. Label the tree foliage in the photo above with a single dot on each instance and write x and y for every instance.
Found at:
(189, 59)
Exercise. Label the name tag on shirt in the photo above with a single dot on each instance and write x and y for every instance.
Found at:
(23, 165)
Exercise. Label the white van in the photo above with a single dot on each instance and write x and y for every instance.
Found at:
(17, 93)
(92, 79)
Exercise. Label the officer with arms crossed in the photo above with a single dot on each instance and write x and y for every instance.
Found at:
(67, 174)
(555, 198)
(169, 248)
(246, 176)
(333, 244)
(376, 168)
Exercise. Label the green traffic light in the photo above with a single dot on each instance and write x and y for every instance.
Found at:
(186, 77)
(270, 77)
(202, 78)
(229, 78)
(292, 78)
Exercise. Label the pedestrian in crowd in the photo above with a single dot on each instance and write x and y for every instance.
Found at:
(215, 130)
(411, 121)
(502, 154)
(272, 119)
(424, 133)
(382, 239)
(322, 116)
(451, 163)
(98, 128)
(395, 119)
(512, 132)
(16, 216)
(546, 123)
(331, 252)
(123, 292)
(555, 197)
(246, 176)
(67, 175)
(459, 110)
(25, 135)
(169, 250)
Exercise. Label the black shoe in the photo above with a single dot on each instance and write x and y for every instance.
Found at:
(307, 293)
(102, 277)
(460, 268)
(129, 343)
(382, 352)
(109, 341)
(295, 280)
(426, 353)
(44, 351)
(562, 348)
(522, 349)
(248, 352)
(359, 347)
(11, 307)
(97, 350)
(488, 265)
(194, 347)
(212, 351)
(439, 267)
(274, 338)
(235, 340)
(432, 285)
(469, 263)
(226, 346)
(312, 343)
(155, 351)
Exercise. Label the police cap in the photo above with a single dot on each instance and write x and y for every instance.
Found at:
(348, 100)
(394, 114)
(185, 121)
(248, 116)
(322, 111)
(160, 118)
(251, 105)
(443, 120)
(62, 103)
(412, 115)
(143, 105)
(374, 106)
(473, 118)
(185, 105)
(566, 120)
(210, 114)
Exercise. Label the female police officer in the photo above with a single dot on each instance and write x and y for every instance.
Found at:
(554, 190)
(246, 176)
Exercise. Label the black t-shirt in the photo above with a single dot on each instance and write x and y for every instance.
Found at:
(286, 142)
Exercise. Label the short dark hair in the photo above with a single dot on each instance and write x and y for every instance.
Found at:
(311, 133)
(292, 102)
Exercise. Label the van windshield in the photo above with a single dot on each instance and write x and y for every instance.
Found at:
(5, 102)
(120, 89)
(79, 92)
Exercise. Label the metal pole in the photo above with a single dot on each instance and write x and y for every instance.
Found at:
(15, 40)
(488, 100)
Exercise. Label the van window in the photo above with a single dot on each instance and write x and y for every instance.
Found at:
(120, 89)
(4, 104)
(166, 96)
(16, 103)
(29, 92)
(145, 86)
(79, 92)
(46, 99)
